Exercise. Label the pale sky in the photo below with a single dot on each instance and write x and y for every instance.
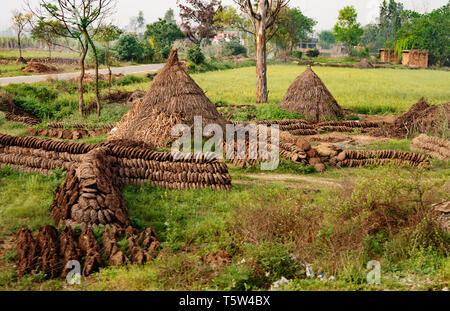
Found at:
(324, 11)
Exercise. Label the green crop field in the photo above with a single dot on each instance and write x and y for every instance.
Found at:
(372, 91)
(271, 223)
(35, 54)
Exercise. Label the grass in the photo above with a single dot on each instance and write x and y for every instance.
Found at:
(194, 222)
(271, 223)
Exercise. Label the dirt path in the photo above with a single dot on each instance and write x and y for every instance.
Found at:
(70, 75)
(291, 181)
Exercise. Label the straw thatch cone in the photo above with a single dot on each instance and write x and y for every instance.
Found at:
(173, 94)
(364, 64)
(309, 97)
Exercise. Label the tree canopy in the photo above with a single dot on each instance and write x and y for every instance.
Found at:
(162, 35)
(347, 30)
(427, 31)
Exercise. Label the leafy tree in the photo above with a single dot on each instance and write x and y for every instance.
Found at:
(390, 20)
(228, 16)
(169, 17)
(128, 48)
(428, 31)
(20, 22)
(326, 39)
(48, 32)
(347, 30)
(162, 35)
(81, 19)
(137, 23)
(198, 19)
(105, 35)
(292, 26)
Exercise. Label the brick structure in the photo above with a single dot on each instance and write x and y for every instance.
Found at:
(388, 56)
(415, 58)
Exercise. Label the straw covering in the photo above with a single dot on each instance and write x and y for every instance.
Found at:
(309, 97)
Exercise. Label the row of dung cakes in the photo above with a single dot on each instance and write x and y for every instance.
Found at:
(131, 164)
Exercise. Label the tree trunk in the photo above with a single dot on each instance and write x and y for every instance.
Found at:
(20, 45)
(97, 94)
(80, 81)
(261, 57)
(107, 61)
(350, 50)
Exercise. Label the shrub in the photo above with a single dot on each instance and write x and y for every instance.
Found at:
(297, 54)
(129, 79)
(313, 53)
(233, 47)
(147, 52)
(195, 55)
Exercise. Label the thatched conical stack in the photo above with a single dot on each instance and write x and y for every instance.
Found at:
(309, 97)
(173, 96)
(364, 64)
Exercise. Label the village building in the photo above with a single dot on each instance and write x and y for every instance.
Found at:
(415, 58)
(389, 56)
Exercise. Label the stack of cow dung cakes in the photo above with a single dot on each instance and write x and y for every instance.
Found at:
(90, 196)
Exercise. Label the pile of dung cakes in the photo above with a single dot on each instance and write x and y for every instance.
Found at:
(60, 125)
(290, 147)
(358, 158)
(67, 134)
(130, 164)
(345, 126)
(90, 195)
(303, 127)
(51, 251)
(25, 119)
(435, 147)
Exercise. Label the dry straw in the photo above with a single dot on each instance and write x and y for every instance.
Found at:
(173, 97)
(309, 97)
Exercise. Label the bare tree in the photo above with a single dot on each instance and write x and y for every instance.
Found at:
(263, 14)
(81, 20)
(20, 22)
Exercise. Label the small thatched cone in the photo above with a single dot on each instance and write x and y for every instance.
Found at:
(364, 64)
(173, 93)
(309, 97)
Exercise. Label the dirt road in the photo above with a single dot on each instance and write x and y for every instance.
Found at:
(70, 75)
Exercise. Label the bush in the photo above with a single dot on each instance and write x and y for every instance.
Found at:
(129, 79)
(195, 55)
(313, 53)
(147, 52)
(297, 54)
(233, 47)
